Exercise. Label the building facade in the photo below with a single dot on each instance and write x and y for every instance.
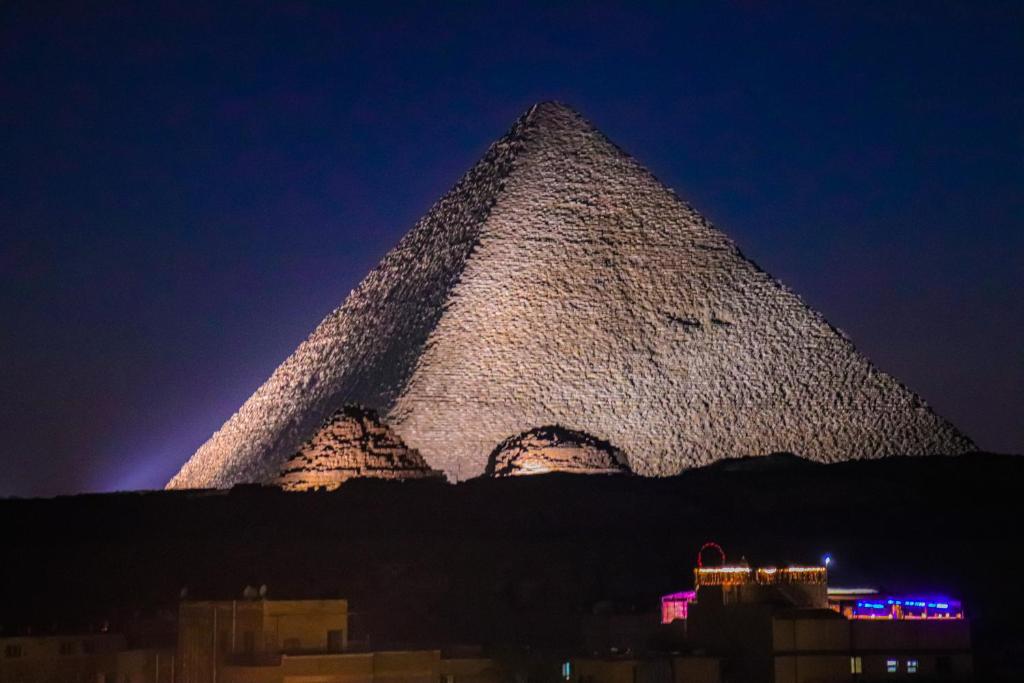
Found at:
(779, 625)
(82, 658)
(274, 641)
(253, 640)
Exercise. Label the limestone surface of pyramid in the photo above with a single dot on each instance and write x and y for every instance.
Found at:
(559, 282)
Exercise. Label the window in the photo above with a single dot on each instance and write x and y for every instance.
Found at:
(249, 641)
(336, 640)
(88, 647)
(291, 644)
(892, 665)
(566, 670)
(943, 665)
(856, 665)
(911, 666)
(447, 678)
(13, 651)
(67, 648)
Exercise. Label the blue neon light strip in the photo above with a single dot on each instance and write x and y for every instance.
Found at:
(866, 604)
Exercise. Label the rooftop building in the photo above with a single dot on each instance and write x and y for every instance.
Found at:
(783, 625)
(872, 605)
(252, 640)
(82, 658)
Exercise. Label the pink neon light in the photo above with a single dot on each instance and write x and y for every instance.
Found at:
(676, 605)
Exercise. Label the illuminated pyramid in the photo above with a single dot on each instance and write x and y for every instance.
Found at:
(559, 283)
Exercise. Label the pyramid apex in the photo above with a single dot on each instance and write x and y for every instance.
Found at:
(551, 120)
(548, 110)
(552, 106)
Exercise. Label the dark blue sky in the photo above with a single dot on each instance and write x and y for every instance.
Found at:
(185, 193)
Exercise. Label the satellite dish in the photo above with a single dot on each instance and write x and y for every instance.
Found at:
(249, 593)
(263, 591)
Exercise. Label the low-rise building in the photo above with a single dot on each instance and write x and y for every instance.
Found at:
(252, 640)
(780, 625)
(212, 634)
(643, 669)
(82, 658)
(271, 641)
(409, 666)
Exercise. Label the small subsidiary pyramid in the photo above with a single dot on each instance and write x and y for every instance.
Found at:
(559, 283)
(553, 449)
(351, 444)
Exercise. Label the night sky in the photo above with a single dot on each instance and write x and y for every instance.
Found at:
(185, 193)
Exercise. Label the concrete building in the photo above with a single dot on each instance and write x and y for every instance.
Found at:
(412, 666)
(212, 634)
(667, 669)
(253, 640)
(740, 624)
(776, 624)
(145, 665)
(826, 646)
(81, 658)
(270, 641)
(779, 625)
(72, 658)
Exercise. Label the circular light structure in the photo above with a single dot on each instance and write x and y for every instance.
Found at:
(710, 545)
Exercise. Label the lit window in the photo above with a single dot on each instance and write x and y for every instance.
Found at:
(911, 666)
(566, 670)
(856, 665)
(892, 665)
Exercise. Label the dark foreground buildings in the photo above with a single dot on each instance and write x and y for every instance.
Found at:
(742, 624)
(539, 570)
(251, 640)
(784, 625)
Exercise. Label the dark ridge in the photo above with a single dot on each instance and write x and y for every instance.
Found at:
(761, 463)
